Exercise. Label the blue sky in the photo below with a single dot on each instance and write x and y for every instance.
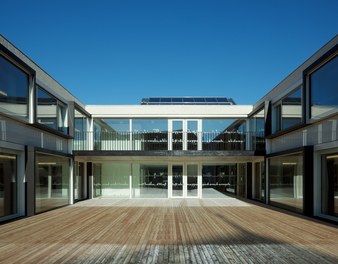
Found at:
(116, 52)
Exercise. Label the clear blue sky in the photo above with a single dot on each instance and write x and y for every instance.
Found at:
(116, 52)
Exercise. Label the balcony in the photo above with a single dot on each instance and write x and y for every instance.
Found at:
(162, 141)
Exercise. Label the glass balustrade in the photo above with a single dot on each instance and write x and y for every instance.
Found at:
(157, 141)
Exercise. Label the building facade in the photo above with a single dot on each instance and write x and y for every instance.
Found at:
(55, 150)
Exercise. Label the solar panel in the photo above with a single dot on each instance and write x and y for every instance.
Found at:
(165, 100)
(188, 100)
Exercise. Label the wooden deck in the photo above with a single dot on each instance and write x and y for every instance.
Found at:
(167, 231)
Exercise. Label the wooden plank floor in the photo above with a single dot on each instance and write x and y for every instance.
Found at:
(167, 231)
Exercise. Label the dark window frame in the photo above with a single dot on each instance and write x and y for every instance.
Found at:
(58, 104)
(308, 175)
(38, 150)
(279, 104)
(324, 59)
(25, 68)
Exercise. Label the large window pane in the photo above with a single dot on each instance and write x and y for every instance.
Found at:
(97, 173)
(288, 111)
(111, 134)
(177, 135)
(292, 109)
(324, 85)
(114, 179)
(13, 89)
(46, 109)
(51, 182)
(177, 181)
(80, 131)
(150, 180)
(192, 135)
(286, 181)
(150, 134)
(192, 181)
(80, 182)
(8, 184)
(330, 185)
(223, 134)
(218, 180)
(257, 130)
(51, 112)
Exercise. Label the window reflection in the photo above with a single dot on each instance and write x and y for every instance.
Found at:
(150, 180)
(97, 175)
(80, 131)
(80, 182)
(51, 182)
(257, 128)
(286, 181)
(323, 86)
(8, 184)
(218, 180)
(150, 134)
(330, 185)
(111, 179)
(223, 134)
(292, 109)
(111, 134)
(51, 112)
(288, 111)
(13, 89)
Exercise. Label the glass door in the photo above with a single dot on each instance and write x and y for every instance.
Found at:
(192, 135)
(192, 180)
(177, 135)
(185, 134)
(184, 181)
(177, 181)
(80, 185)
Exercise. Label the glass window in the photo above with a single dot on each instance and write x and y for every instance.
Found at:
(292, 109)
(324, 86)
(330, 185)
(177, 181)
(223, 134)
(80, 182)
(8, 184)
(51, 112)
(258, 190)
(150, 134)
(150, 180)
(112, 125)
(13, 89)
(277, 117)
(217, 180)
(286, 181)
(288, 112)
(192, 181)
(112, 179)
(51, 182)
(111, 134)
(97, 174)
(257, 130)
(80, 130)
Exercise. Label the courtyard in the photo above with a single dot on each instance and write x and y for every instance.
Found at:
(220, 230)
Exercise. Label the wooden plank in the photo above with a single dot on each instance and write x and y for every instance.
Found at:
(168, 231)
